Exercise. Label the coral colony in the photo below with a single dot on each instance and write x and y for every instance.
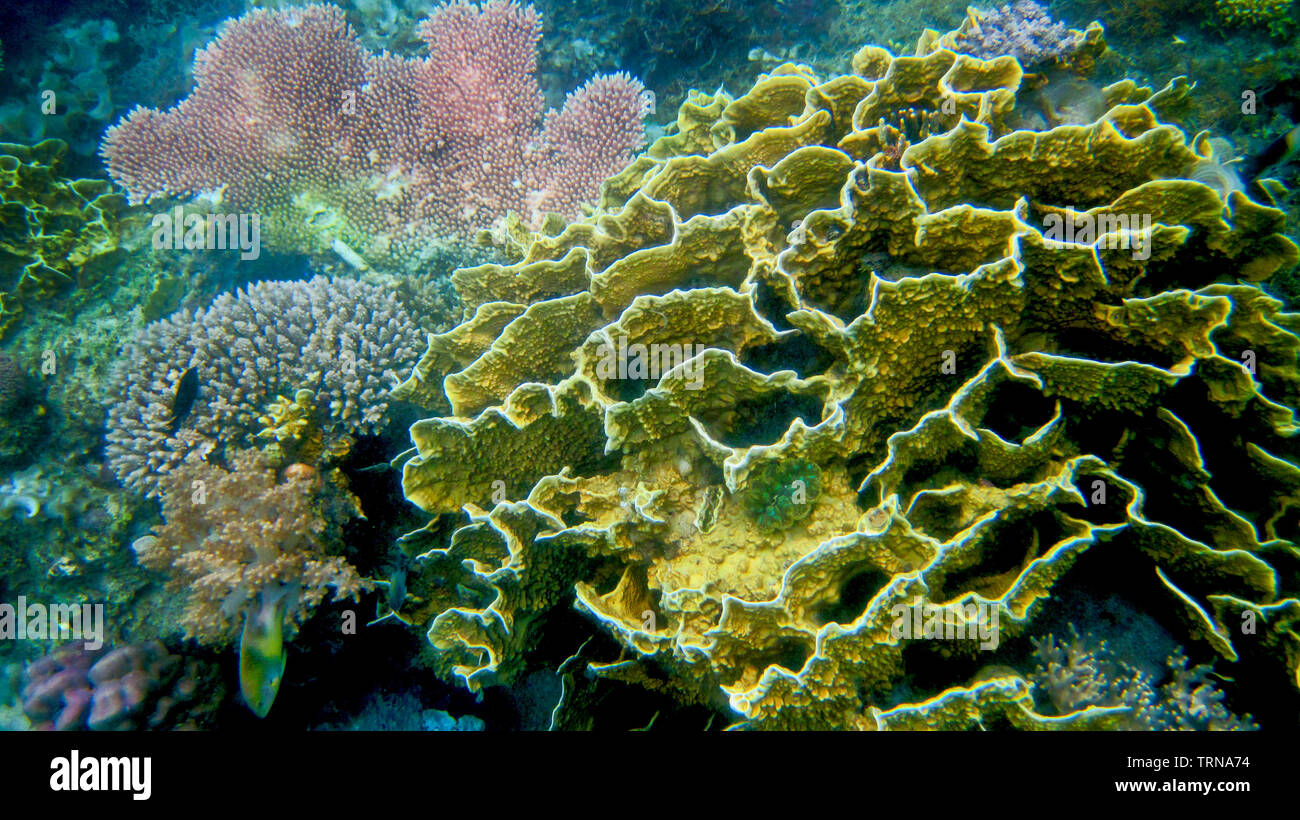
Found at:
(292, 118)
(349, 342)
(869, 391)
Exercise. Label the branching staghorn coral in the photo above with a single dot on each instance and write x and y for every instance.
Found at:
(344, 340)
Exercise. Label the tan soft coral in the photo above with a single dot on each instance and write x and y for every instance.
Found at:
(235, 538)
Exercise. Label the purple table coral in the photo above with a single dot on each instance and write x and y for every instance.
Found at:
(1023, 30)
(294, 119)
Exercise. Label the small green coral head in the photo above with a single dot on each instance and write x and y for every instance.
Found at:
(1253, 12)
(778, 494)
(261, 650)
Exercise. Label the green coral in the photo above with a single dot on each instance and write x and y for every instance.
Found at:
(1254, 12)
(56, 234)
(779, 494)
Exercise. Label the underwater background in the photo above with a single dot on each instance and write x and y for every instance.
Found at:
(781, 364)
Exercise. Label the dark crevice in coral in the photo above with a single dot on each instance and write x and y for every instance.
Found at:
(1106, 502)
(788, 653)
(573, 518)
(855, 593)
(845, 300)
(937, 515)
(1171, 492)
(966, 363)
(1287, 526)
(932, 475)
(627, 389)
(1095, 431)
(1017, 410)
(1007, 550)
(764, 421)
(771, 306)
(1192, 266)
(932, 667)
(595, 464)
(1237, 483)
(607, 577)
(1086, 343)
(795, 352)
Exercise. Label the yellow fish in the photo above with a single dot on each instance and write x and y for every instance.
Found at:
(261, 652)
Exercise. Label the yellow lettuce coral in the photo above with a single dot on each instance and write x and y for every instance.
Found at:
(998, 352)
(55, 233)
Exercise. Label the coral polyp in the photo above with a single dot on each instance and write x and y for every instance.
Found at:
(778, 494)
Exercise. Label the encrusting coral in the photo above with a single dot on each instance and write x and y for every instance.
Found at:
(999, 349)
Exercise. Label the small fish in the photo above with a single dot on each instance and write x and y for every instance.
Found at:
(396, 588)
(187, 392)
(1179, 41)
(261, 650)
(1280, 151)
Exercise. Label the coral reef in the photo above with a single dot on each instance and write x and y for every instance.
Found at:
(1081, 673)
(980, 326)
(403, 712)
(372, 155)
(1253, 12)
(245, 539)
(136, 686)
(56, 233)
(341, 339)
(64, 529)
(986, 396)
(80, 57)
(34, 493)
(1023, 30)
(14, 386)
(21, 409)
